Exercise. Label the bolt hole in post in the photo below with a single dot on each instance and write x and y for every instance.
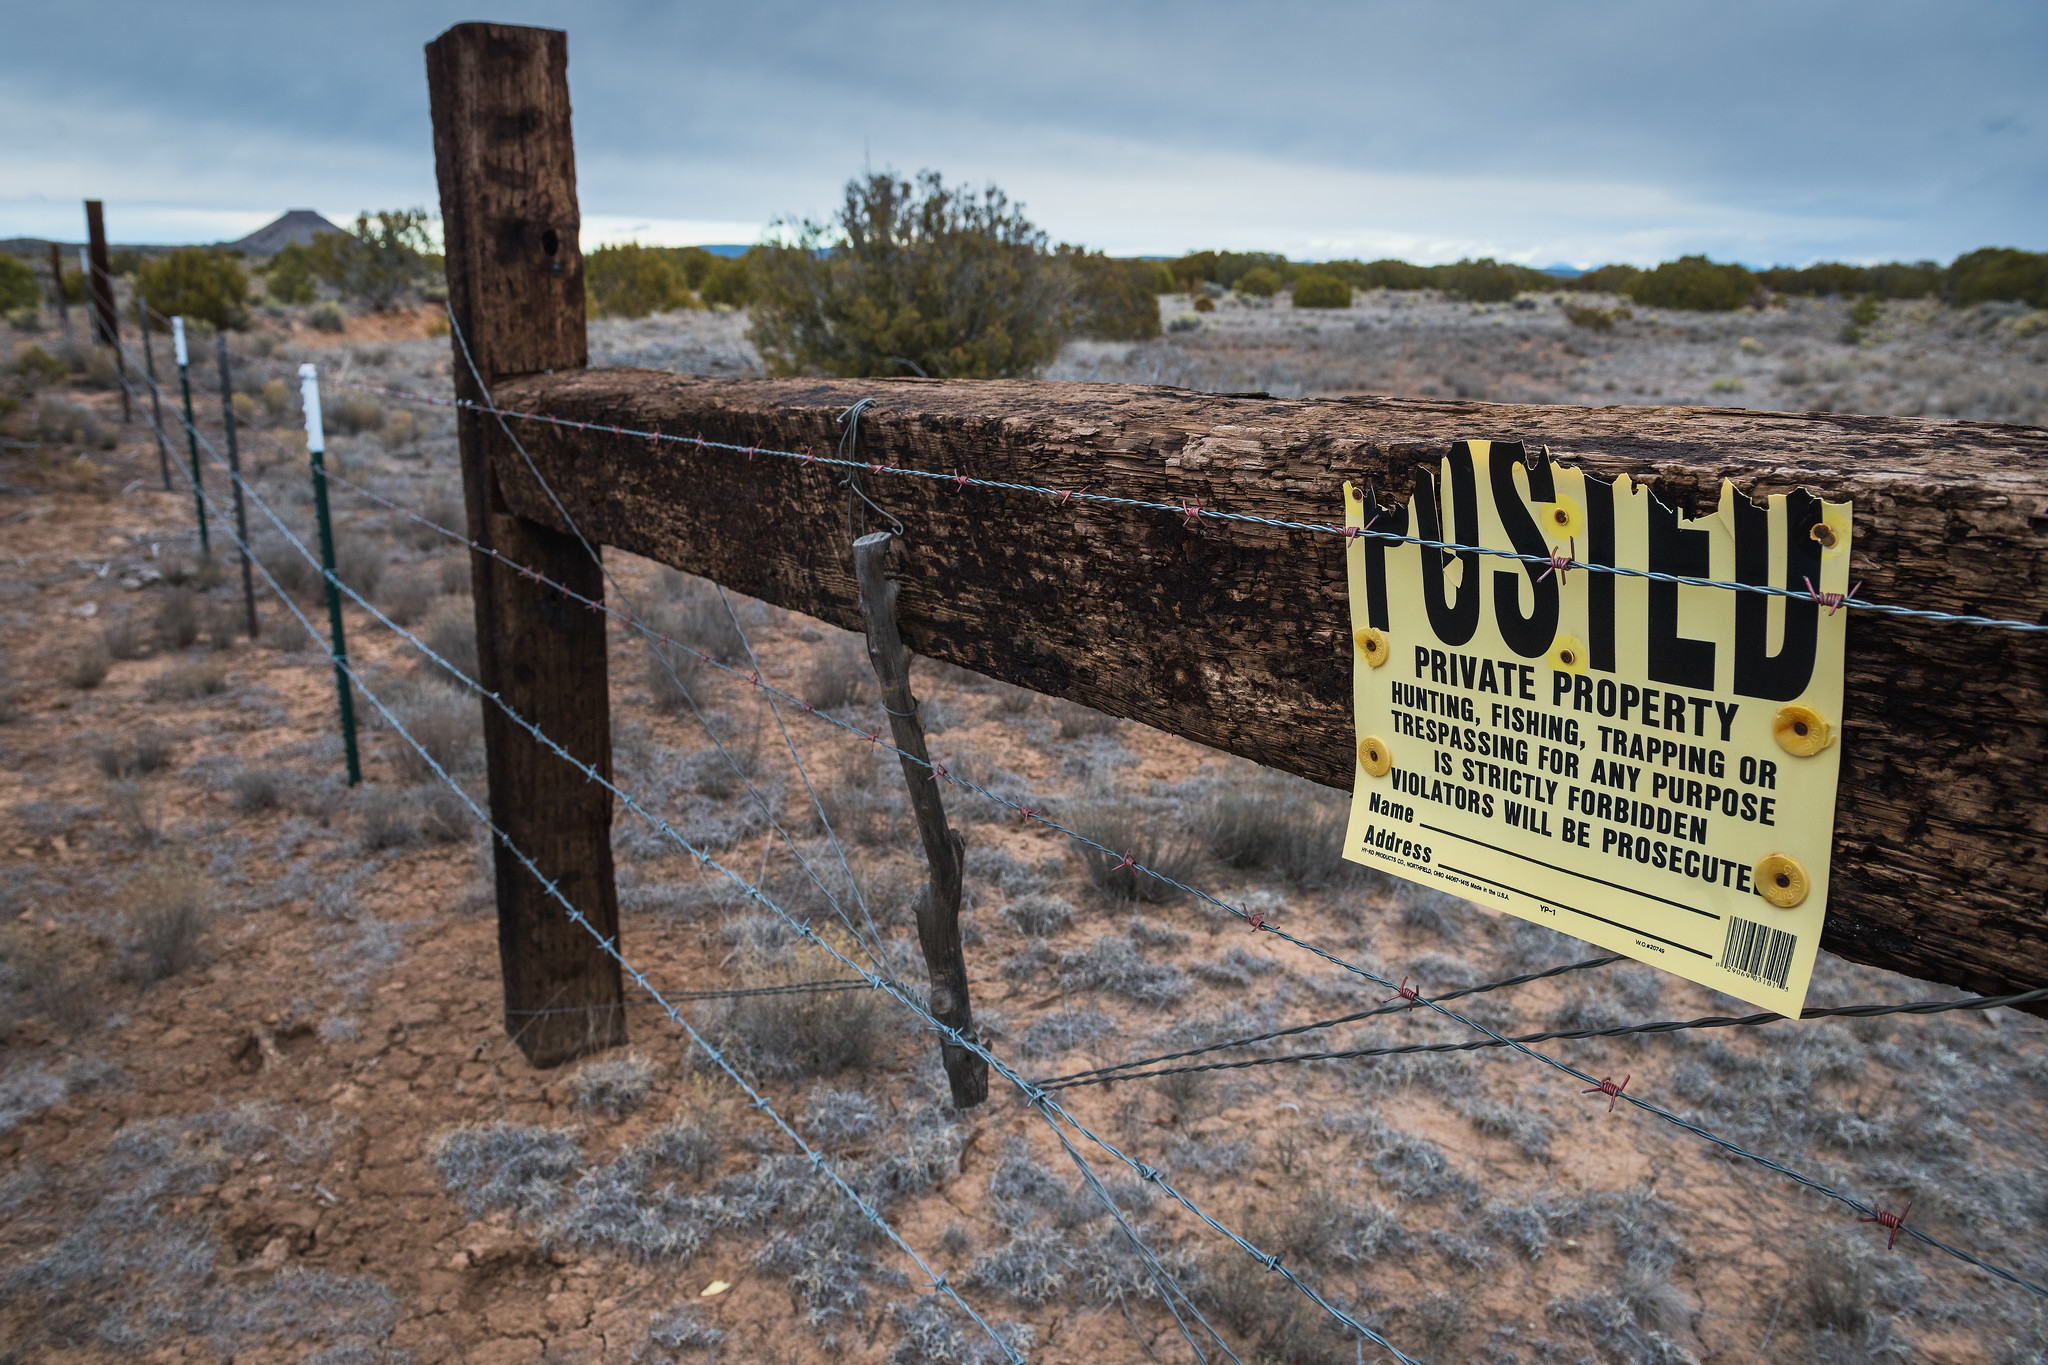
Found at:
(316, 452)
(938, 905)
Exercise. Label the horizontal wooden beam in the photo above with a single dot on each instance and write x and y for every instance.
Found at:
(1235, 635)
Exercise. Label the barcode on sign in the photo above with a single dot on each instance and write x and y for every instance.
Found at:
(1758, 951)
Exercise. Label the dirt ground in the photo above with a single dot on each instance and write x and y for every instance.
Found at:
(257, 1103)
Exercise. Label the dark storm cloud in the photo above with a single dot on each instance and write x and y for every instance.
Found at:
(1764, 132)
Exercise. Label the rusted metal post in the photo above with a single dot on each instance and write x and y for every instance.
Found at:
(938, 905)
(507, 171)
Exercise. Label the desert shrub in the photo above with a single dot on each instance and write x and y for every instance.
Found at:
(19, 285)
(1489, 281)
(379, 261)
(196, 283)
(177, 619)
(131, 806)
(350, 413)
(1075, 720)
(223, 617)
(1112, 963)
(169, 905)
(1204, 304)
(444, 817)
(407, 596)
(614, 1085)
(1164, 853)
(1321, 291)
(1597, 319)
(328, 317)
(257, 790)
(89, 666)
(693, 1146)
(838, 1116)
(448, 725)
(1608, 279)
(862, 799)
(729, 280)
(1695, 284)
(450, 631)
(1113, 300)
(1277, 821)
(680, 1328)
(631, 281)
(289, 279)
(1261, 282)
(64, 987)
(59, 420)
(837, 673)
(194, 681)
(1037, 914)
(123, 640)
(1999, 274)
(387, 819)
(505, 1165)
(38, 366)
(811, 1033)
(148, 751)
(693, 615)
(913, 278)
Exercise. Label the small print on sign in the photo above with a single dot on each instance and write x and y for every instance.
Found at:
(1646, 765)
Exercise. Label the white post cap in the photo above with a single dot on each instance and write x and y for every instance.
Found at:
(309, 398)
(178, 339)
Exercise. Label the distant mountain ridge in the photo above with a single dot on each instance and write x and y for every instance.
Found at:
(298, 227)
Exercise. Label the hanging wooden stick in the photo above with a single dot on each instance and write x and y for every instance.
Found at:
(938, 905)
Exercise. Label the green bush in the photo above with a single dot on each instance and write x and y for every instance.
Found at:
(1833, 279)
(1489, 281)
(632, 281)
(19, 287)
(383, 259)
(1114, 300)
(1999, 274)
(1608, 279)
(196, 282)
(692, 263)
(730, 280)
(290, 276)
(1695, 284)
(1321, 291)
(1260, 281)
(921, 276)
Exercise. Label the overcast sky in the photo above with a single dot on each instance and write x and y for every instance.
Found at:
(1541, 133)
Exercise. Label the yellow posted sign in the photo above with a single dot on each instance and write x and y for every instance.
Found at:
(1644, 764)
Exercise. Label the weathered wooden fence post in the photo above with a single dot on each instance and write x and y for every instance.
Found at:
(938, 905)
(507, 172)
(99, 293)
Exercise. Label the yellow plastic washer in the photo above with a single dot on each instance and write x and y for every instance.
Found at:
(1373, 645)
(1781, 880)
(1374, 755)
(1802, 730)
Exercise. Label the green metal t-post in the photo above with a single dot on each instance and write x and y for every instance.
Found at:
(316, 449)
(191, 431)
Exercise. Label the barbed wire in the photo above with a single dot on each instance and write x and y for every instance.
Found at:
(1193, 513)
(1492, 1038)
(718, 1058)
(1169, 1289)
(1041, 1097)
(736, 993)
(1256, 1038)
(1126, 1071)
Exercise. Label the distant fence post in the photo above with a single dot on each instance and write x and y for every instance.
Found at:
(99, 288)
(316, 453)
(507, 172)
(184, 359)
(64, 304)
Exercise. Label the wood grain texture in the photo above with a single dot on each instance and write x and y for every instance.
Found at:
(506, 164)
(1235, 635)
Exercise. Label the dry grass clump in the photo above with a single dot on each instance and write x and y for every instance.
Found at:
(1164, 853)
(195, 681)
(614, 1085)
(693, 615)
(447, 725)
(450, 631)
(134, 810)
(89, 666)
(257, 790)
(177, 619)
(1267, 819)
(387, 819)
(147, 751)
(169, 906)
(812, 1033)
(837, 674)
(122, 639)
